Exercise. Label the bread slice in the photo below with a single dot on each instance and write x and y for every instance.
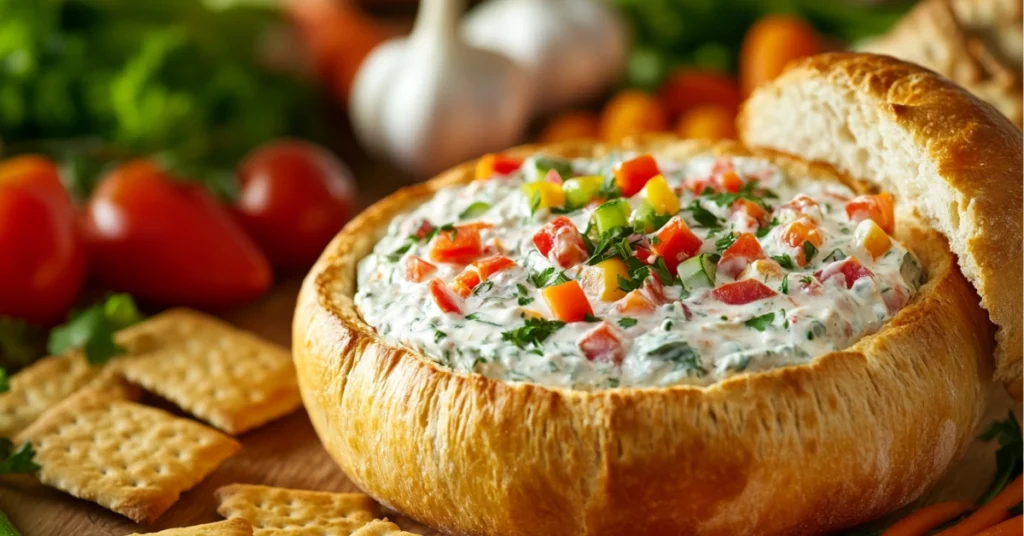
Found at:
(948, 156)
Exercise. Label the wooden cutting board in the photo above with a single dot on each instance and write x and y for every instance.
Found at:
(287, 453)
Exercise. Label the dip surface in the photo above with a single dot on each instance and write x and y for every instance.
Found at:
(747, 270)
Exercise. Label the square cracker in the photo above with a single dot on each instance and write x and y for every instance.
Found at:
(288, 512)
(231, 527)
(39, 387)
(381, 527)
(130, 458)
(222, 375)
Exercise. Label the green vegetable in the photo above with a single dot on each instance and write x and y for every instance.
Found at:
(534, 331)
(522, 295)
(581, 190)
(92, 329)
(6, 527)
(627, 322)
(648, 220)
(703, 216)
(763, 231)
(760, 323)
(542, 164)
(96, 81)
(809, 251)
(697, 272)
(784, 261)
(1009, 456)
(784, 287)
(547, 277)
(682, 355)
(611, 216)
(16, 462)
(20, 343)
(474, 210)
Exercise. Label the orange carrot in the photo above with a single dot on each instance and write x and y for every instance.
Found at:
(1010, 527)
(993, 512)
(927, 518)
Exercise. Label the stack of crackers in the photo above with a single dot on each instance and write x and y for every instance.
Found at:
(94, 440)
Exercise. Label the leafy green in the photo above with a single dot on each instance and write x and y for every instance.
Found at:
(784, 261)
(522, 295)
(474, 210)
(682, 355)
(547, 277)
(16, 461)
(763, 231)
(92, 329)
(809, 251)
(760, 323)
(703, 216)
(1009, 461)
(627, 322)
(6, 527)
(95, 81)
(534, 331)
(725, 241)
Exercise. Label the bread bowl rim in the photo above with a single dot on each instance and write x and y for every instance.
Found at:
(346, 334)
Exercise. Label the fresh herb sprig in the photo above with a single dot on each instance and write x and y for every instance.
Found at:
(92, 330)
(19, 461)
(533, 332)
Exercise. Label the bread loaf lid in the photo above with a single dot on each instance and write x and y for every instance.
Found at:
(946, 155)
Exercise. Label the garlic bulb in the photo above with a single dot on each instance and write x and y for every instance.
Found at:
(573, 49)
(429, 101)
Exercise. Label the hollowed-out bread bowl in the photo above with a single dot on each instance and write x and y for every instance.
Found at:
(796, 450)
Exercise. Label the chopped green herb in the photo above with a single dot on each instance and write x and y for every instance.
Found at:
(835, 255)
(760, 322)
(609, 189)
(5, 384)
(92, 330)
(534, 331)
(395, 255)
(476, 318)
(784, 261)
(682, 354)
(784, 287)
(702, 216)
(474, 210)
(1009, 461)
(547, 278)
(16, 462)
(806, 280)
(483, 287)
(627, 322)
(522, 295)
(590, 319)
(723, 243)
(809, 251)
(763, 231)
(439, 335)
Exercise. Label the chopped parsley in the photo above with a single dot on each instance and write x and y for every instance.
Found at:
(702, 216)
(395, 255)
(627, 322)
(784, 287)
(682, 355)
(809, 251)
(763, 231)
(590, 319)
(483, 287)
(534, 331)
(784, 261)
(16, 461)
(476, 318)
(547, 277)
(724, 242)
(835, 255)
(439, 336)
(1009, 462)
(749, 191)
(522, 295)
(474, 210)
(760, 323)
(92, 330)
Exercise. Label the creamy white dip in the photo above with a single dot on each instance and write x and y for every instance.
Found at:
(692, 338)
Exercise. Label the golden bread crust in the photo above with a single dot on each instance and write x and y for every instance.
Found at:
(804, 449)
(952, 158)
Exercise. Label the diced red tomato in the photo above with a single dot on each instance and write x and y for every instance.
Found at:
(730, 181)
(642, 254)
(445, 299)
(654, 290)
(632, 175)
(603, 343)
(465, 282)
(459, 246)
(676, 243)
(553, 177)
(753, 211)
(879, 208)
(491, 265)
(635, 303)
(561, 243)
(422, 229)
(798, 232)
(849, 268)
(567, 301)
(745, 250)
(742, 292)
(417, 269)
(496, 164)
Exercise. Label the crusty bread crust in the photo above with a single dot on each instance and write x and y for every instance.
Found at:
(798, 450)
(944, 153)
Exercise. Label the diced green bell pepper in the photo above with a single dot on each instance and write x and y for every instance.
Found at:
(612, 215)
(581, 190)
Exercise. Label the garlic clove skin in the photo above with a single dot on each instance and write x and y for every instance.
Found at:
(573, 48)
(430, 101)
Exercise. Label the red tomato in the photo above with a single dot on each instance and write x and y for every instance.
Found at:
(492, 164)
(742, 292)
(43, 264)
(417, 269)
(688, 88)
(459, 246)
(295, 197)
(445, 299)
(561, 242)
(849, 268)
(745, 250)
(603, 343)
(465, 282)
(874, 207)
(635, 303)
(676, 243)
(632, 175)
(169, 241)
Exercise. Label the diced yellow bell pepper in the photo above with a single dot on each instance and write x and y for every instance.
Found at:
(603, 279)
(873, 238)
(544, 194)
(484, 167)
(660, 195)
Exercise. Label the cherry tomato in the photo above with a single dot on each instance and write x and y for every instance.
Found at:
(169, 242)
(43, 262)
(295, 197)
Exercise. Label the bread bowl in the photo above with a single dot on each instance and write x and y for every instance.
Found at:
(801, 449)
